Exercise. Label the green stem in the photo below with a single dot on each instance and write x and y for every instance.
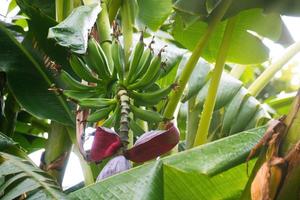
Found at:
(58, 144)
(190, 65)
(209, 104)
(257, 86)
(127, 30)
(68, 7)
(62, 9)
(104, 33)
(192, 120)
(86, 168)
(59, 10)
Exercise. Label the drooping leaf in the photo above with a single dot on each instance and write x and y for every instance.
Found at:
(245, 48)
(29, 142)
(205, 7)
(228, 87)
(39, 23)
(29, 81)
(232, 110)
(246, 113)
(10, 146)
(185, 174)
(198, 78)
(21, 176)
(73, 31)
(152, 14)
(143, 182)
(45, 6)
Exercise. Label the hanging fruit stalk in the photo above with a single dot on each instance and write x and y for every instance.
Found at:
(124, 122)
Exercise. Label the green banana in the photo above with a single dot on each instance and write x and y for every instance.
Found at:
(96, 102)
(110, 122)
(151, 98)
(154, 79)
(100, 114)
(143, 64)
(80, 68)
(146, 115)
(150, 74)
(96, 59)
(74, 84)
(136, 129)
(77, 95)
(117, 56)
(137, 54)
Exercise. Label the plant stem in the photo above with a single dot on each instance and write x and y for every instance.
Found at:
(104, 33)
(209, 104)
(58, 146)
(257, 86)
(124, 122)
(190, 65)
(62, 9)
(59, 10)
(86, 168)
(68, 7)
(127, 30)
(192, 120)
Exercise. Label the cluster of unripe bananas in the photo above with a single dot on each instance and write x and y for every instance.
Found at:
(117, 92)
(104, 81)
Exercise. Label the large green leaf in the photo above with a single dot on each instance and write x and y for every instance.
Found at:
(9, 146)
(245, 48)
(29, 81)
(192, 174)
(227, 89)
(21, 176)
(152, 14)
(198, 78)
(39, 23)
(203, 8)
(46, 6)
(73, 31)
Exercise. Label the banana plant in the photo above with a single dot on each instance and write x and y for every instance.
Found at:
(139, 82)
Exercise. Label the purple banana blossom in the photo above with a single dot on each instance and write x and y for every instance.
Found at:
(114, 166)
(153, 144)
(106, 143)
(149, 146)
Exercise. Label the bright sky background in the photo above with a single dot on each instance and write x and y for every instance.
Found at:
(73, 173)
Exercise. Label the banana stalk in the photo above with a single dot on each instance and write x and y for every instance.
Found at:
(209, 104)
(124, 121)
(190, 65)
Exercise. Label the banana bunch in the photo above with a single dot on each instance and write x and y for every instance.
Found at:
(100, 83)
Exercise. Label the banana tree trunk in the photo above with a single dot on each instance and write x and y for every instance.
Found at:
(57, 151)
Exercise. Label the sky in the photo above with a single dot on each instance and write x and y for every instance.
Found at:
(73, 173)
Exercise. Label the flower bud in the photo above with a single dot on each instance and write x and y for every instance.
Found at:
(153, 144)
(114, 166)
(106, 143)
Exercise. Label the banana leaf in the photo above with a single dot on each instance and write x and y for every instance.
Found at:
(211, 171)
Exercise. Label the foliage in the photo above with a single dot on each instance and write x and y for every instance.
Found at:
(21, 176)
(179, 176)
(96, 62)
